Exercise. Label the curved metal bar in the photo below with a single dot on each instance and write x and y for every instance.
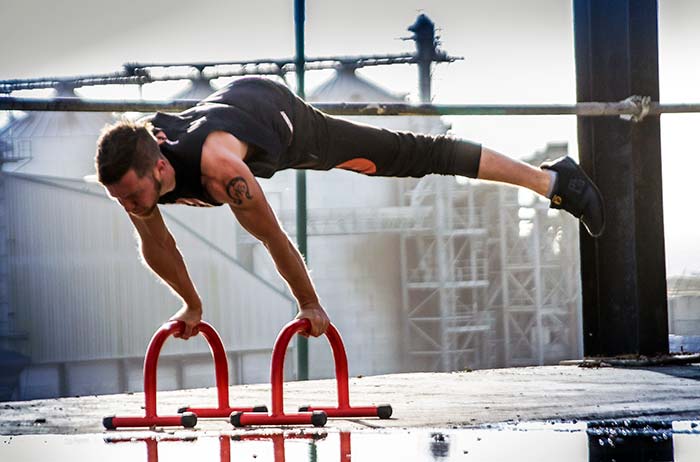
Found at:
(341, 365)
(341, 377)
(277, 415)
(150, 363)
(279, 352)
(150, 372)
(218, 352)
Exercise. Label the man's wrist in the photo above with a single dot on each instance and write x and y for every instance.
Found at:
(197, 306)
(309, 305)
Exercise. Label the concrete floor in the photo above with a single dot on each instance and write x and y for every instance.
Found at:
(419, 400)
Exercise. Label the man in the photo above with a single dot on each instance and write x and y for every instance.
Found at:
(211, 154)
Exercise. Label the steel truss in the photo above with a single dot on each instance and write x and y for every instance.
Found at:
(494, 284)
(445, 278)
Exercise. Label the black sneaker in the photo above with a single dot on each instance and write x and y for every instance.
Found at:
(577, 194)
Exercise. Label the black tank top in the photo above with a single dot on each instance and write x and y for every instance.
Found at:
(257, 111)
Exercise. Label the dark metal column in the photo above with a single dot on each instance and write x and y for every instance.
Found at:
(623, 272)
(424, 35)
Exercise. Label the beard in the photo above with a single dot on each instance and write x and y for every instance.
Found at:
(148, 210)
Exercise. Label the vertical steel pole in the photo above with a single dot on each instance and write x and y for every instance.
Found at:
(302, 342)
(623, 272)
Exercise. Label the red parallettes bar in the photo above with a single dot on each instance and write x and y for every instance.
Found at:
(223, 410)
(308, 414)
(277, 415)
(187, 417)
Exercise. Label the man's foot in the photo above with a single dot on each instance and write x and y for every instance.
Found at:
(577, 194)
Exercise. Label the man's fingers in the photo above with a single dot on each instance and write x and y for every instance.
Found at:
(187, 333)
(318, 322)
(319, 329)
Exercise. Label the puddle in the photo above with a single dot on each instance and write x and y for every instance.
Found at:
(602, 441)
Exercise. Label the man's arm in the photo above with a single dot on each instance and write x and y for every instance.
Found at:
(235, 185)
(160, 252)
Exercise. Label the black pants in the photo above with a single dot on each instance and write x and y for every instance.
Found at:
(318, 141)
(323, 142)
(381, 152)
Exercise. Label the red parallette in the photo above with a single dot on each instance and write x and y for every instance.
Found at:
(277, 415)
(223, 410)
(306, 414)
(341, 376)
(186, 418)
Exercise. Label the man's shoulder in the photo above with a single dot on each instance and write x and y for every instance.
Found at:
(220, 144)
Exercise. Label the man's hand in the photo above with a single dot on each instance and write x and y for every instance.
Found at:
(191, 316)
(315, 313)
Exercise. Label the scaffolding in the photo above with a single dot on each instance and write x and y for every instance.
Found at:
(445, 277)
(493, 283)
(535, 266)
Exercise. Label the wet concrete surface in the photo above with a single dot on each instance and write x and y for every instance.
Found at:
(419, 400)
(539, 442)
(532, 413)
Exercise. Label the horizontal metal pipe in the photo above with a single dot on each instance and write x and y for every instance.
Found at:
(80, 105)
(278, 61)
(8, 103)
(139, 73)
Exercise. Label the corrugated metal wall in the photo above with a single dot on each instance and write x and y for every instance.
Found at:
(684, 315)
(81, 292)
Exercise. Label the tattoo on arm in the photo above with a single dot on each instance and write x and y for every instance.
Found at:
(237, 189)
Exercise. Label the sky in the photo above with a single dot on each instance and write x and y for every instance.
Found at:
(514, 52)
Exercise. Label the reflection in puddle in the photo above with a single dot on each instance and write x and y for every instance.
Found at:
(606, 441)
(630, 440)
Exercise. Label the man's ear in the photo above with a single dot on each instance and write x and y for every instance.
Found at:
(159, 168)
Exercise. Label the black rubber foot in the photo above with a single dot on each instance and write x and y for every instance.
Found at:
(188, 419)
(304, 408)
(384, 411)
(107, 422)
(236, 419)
(183, 409)
(319, 418)
(260, 408)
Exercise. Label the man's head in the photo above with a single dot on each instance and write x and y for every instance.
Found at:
(129, 164)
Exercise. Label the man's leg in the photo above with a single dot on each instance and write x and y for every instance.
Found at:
(497, 167)
(379, 152)
(562, 181)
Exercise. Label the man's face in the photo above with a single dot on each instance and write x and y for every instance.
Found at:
(138, 196)
(160, 137)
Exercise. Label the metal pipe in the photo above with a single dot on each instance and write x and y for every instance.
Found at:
(302, 342)
(282, 61)
(592, 109)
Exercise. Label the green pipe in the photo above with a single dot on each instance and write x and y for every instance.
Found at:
(302, 342)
